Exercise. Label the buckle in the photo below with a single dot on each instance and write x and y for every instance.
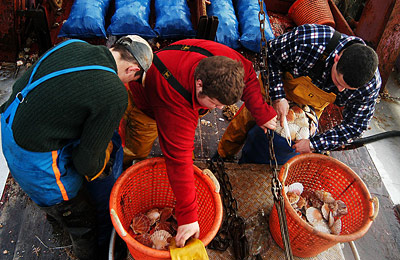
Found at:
(185, 47)
(19, 94)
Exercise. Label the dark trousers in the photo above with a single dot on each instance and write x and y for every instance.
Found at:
(77, 217)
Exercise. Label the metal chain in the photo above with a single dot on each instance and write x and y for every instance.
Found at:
(276, 185)
(233, 226)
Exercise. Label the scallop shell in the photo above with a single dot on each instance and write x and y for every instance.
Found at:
(342, 209)
(296, 187)
(314, 215)
(324, 196)
(144, 239)
(292, 197)
(166, 213)
(336, 228)
(298, 111)
(312, 199)
(322, 226)
(303, 133)
(331, 219)
(140, 224)
(293, 128)
(160, 239)
(290, 116)
(153, 215)
(325, 211)
(301, 203)
(165, 225)
(301, 121)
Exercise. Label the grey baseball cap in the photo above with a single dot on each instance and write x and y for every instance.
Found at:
(139, 48)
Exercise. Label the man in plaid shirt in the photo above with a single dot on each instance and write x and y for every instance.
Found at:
(350, 72)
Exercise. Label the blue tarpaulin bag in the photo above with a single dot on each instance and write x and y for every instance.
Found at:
(100, 190)
(131, 17)
(249, 24)
(173, 19)
(228, 26)
(256, 148)
(86, 19)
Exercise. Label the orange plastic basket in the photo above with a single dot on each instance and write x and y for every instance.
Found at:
(144, 186)
(320, 172)
(311, 11)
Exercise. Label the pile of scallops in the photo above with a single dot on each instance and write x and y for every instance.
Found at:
(302, 123)
(155, 228)
(317, 207)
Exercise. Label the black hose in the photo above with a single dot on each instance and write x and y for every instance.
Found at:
(369, 139)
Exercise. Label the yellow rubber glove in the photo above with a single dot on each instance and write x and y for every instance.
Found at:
(193, 250)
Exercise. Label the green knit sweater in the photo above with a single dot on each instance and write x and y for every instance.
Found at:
(85, 106)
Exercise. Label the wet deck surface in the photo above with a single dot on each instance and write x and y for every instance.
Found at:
(26, 234)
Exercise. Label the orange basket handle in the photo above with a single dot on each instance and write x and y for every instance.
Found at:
(209, 173)
(118, 222)
(375, 203)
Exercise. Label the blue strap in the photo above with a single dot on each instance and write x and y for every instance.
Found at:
(50, 52)
(28, 88)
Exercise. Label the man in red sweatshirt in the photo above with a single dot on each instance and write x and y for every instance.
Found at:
(185, 78)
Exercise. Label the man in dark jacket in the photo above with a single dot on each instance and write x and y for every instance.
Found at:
(58, 123)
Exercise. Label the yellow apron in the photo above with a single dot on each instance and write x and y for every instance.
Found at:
(140, 133)
(302, 91)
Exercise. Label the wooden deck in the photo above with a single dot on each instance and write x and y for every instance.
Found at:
(26, 234)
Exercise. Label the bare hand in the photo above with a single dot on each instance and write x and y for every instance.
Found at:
(281, 107)
(302, 146)
(185, 232)
(271, 124)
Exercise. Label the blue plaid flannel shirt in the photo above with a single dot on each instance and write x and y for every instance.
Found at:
(297, 52)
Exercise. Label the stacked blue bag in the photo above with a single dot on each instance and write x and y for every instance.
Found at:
(247, 12)
(228, 26)
(173, 19)
(86, 19)
(131, 17)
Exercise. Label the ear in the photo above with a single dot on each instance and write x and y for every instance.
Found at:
(132, 69)
(337, 57)
(199, 85)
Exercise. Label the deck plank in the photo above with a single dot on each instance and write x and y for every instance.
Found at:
(23, 224)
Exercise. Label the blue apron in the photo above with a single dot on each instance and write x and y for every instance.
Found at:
(46, 177)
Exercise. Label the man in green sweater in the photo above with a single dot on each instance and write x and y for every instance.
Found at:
(58, 123)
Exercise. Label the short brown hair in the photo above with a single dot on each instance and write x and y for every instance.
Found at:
(127, 56)
(222, 77)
